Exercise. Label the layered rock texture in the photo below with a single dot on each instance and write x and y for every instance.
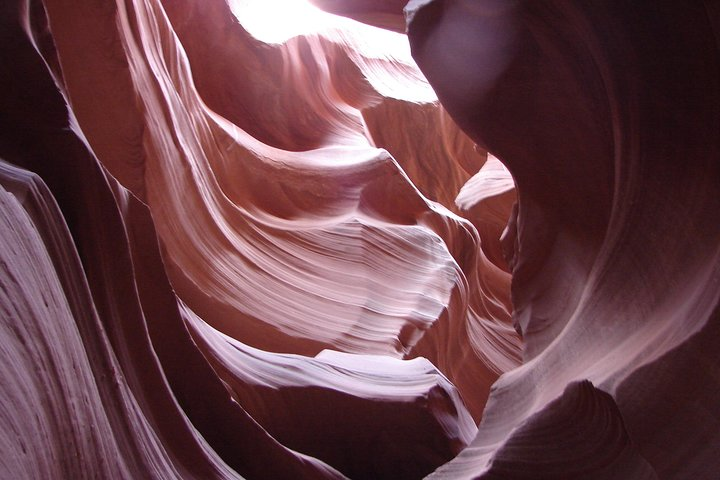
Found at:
(229, 257)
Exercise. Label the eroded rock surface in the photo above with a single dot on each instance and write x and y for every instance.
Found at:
(212, 243)
(226, 258)
(606, 115)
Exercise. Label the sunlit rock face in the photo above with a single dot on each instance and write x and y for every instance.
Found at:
(228, 257)
(231, 254)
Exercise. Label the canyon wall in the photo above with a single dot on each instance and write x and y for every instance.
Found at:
(607, 116)
(228, 258)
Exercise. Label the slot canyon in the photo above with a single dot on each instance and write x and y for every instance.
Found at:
(445, 239)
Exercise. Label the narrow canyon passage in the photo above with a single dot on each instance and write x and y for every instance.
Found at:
(234, 251)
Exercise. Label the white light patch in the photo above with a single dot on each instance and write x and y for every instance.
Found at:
(372, 49)
(276, 21)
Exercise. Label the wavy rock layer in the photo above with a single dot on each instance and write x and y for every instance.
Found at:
(606, 115)
(220, 259)
(225, 258)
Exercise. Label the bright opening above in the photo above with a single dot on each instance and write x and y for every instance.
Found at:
(277, 21)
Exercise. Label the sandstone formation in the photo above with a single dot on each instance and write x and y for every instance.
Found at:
(607, 116)
(224, 257)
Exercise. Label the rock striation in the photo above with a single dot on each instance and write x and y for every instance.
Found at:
(227, 257)
(606, 115)
(218, 262)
